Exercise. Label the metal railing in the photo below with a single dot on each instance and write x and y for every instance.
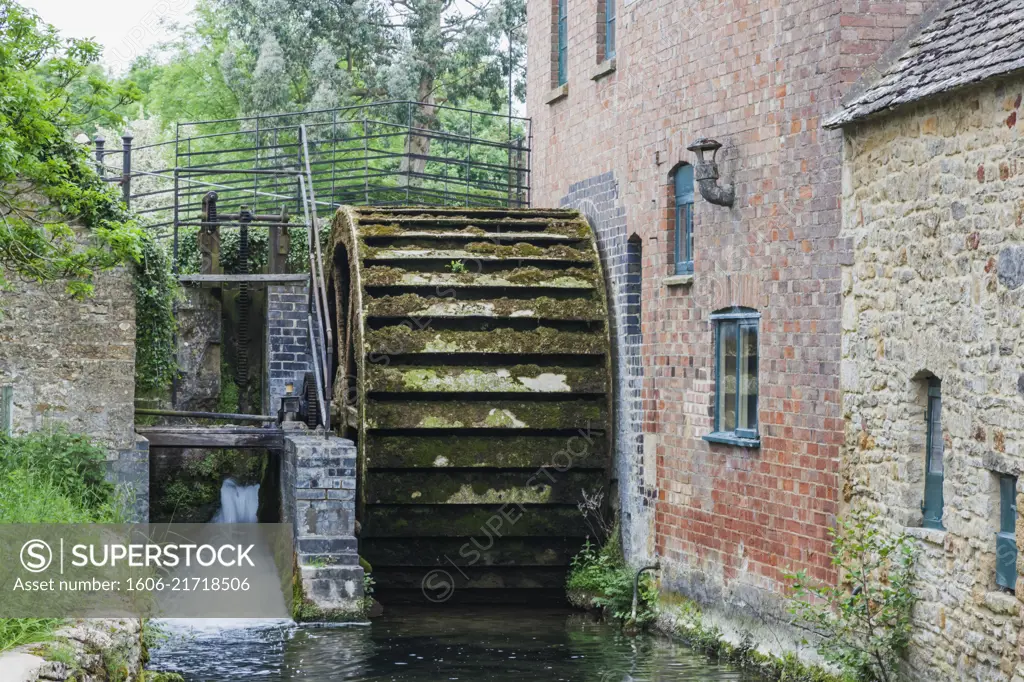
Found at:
(321, 341)
(385, 153)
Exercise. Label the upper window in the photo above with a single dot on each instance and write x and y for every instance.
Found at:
(736, 381)
(1006, 539)
(932, 506)
(683, 256)
(609, 29)
(562, 42)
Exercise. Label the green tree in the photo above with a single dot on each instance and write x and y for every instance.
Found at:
(51, 90)
(185, 80)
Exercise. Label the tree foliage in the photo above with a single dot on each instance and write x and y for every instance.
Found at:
(336, 51)
(863, 623)
(50, 90)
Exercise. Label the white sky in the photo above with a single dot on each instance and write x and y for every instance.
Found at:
(125, 28)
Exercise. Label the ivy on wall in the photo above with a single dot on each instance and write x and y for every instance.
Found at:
(155, 292)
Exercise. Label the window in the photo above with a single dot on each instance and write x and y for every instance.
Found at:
(1006, 538)
(736, 380)
(932, 507)
(684, 220)
(634, 265)
(563, 42)
(609, 29)
(6, 409)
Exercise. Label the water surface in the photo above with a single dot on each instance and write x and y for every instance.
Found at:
(421, 645)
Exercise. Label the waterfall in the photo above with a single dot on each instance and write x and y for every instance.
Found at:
(238, 503)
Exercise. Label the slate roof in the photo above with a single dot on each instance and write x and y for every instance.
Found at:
(967, 41)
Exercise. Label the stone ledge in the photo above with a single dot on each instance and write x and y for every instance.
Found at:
(557, 94)
(932, 535)
(1002, 602)
(677, 280)
(603, 69)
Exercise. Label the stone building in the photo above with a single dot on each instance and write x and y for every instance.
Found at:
(933, 325)
(728, 471)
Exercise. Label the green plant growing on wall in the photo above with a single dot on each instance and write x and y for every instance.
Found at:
(863, 623)
(155, 292)
(457, 266)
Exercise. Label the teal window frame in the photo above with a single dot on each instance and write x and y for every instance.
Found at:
(1006, 538)
(563, 42)
(733, 324)
(609, 29)
(6, 410)
(934, 474)
(683, 183)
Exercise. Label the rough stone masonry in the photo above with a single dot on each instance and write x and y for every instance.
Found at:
(318, 486)
(933, 202)
(72, 363)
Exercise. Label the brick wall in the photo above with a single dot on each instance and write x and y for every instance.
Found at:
(934, 206)
(598, 199)
(758, 76)
(287, 341)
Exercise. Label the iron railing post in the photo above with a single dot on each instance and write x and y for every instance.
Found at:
(366, 162)
(126, 168)
(469, 156)
(100, 143)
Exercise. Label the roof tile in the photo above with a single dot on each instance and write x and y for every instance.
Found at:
(967, 41)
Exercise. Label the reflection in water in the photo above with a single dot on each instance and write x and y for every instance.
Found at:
(409, 645)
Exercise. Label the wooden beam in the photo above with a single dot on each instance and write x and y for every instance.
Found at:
(270, 279)
(212, 437)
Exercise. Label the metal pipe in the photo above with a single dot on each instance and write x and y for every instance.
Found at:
(205, 415)
(636, 584)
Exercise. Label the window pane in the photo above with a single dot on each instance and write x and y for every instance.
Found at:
(748, 377)
(609, 29)
(1008, 499)
(935, 435)
(726, 376)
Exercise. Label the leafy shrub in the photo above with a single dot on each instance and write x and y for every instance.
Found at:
(603, 577)
(58, 460)
(863, 623)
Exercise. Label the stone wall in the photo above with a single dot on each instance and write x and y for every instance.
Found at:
(72, 363)
(933, 203)
(318, 487)
(757, 76)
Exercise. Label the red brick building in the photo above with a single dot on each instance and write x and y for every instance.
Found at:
(730, 471)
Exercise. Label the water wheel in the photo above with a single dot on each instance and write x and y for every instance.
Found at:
(474, 377)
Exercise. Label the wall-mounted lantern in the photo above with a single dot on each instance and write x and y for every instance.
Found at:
(705, 172)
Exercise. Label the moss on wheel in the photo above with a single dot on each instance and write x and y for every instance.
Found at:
(570, 414)
(514, 379)
(400, 339)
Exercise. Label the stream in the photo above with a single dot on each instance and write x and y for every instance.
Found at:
(420, 645)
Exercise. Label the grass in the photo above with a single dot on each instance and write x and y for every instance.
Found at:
(52, 477)
(15, 632)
